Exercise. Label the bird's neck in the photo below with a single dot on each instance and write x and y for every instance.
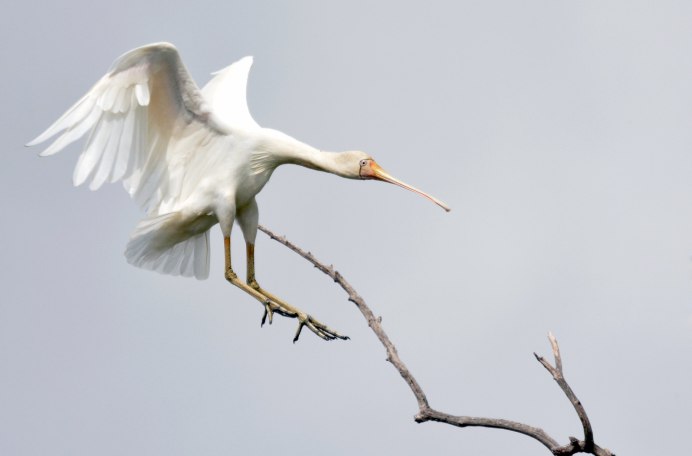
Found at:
(280, 149)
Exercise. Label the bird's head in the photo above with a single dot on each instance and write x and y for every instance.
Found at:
(367, 168)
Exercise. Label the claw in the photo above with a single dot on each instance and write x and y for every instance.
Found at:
(267, 311)
(328, 331)
(324, 335)
(321, 330)
(300, 328)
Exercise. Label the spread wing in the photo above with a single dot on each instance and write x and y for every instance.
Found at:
(226, 94)
(135, 115)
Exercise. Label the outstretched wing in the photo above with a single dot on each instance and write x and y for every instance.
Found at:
(226, 94)
(135, 114)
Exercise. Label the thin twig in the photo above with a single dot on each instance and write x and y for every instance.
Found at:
(425, 412)
(558, 375)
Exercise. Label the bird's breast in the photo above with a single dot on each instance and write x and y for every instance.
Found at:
(249, 185)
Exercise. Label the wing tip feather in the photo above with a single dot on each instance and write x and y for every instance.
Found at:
(247, 60)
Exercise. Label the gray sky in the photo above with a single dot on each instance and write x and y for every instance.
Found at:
(559, 132)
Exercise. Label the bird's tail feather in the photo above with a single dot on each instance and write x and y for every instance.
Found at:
(157, 244)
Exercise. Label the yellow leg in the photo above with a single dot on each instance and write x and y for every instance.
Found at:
(233, 277)
(250, 251)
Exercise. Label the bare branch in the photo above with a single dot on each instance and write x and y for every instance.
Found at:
(558, 375)
(496, 423)
(426, 413)
(374, 323)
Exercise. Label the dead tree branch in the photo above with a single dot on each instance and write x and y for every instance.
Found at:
(427, 413)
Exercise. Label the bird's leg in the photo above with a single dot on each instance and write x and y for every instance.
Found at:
(269, 306)
(250, 250)
(285, 309)
(227, 256)
(268, 311)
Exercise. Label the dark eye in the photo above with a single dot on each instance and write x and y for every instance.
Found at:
(363, 162)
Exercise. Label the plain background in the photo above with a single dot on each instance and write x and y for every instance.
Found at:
(560, 132)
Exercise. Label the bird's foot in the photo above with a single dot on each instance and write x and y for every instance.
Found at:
(273, 304)
(319, 328)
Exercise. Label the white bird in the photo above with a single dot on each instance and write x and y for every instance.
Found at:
(191, 158)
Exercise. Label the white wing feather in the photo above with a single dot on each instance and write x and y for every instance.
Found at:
(226, 93)
(135, 114)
